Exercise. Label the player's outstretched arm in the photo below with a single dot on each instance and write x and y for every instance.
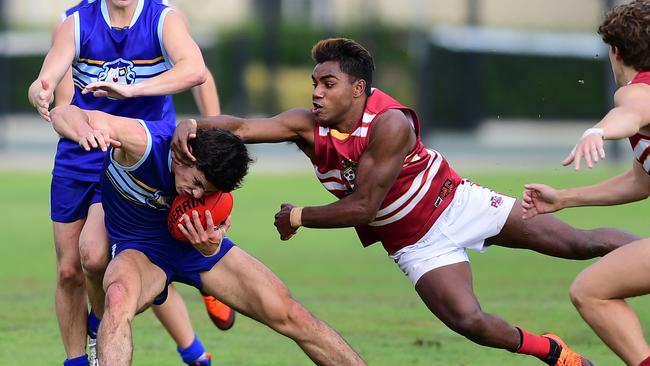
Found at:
(391, 140)
(56, 64)
(296, 125)
(99, 130)
(631, 186)
(189, 69)
(630, 114)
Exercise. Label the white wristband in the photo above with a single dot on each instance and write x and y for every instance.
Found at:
(596, 131)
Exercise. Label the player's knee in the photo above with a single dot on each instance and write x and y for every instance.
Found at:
(288, 317)
(93, 258)
(470, 324)
(118, 303)
(580, 294)
(70, 275)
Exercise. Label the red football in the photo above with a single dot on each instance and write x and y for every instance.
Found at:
(219, 204)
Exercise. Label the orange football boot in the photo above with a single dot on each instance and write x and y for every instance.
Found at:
(567, 357)
(221, 314)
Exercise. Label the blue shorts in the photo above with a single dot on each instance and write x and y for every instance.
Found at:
(71, 198)
(179, 260)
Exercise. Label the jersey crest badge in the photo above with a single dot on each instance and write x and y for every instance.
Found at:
(349, 171)
(158, 201)
(118, 71)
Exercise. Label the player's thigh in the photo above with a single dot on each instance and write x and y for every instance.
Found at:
(543, 233)
(93, 242)
(448, 292)
(66, 241)
(620, 274)
(247, 285)
(135, 278)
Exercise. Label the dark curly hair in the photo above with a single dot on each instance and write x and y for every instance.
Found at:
(627, 27)
(353, 59)
(222, 157)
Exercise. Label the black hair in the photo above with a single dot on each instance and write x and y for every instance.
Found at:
(353, 59)
(222, 157)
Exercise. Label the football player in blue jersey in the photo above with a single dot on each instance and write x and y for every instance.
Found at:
(77, 213)
(139, 165)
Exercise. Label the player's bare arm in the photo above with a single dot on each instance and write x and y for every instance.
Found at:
(631, 186)
(99, 130)
(391, 140)
(295, 126)
(205, 95)
(56, 64)
(631, 114)
(188, 71)
(64, 90)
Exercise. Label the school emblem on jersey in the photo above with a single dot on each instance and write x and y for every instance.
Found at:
(118, 71)
(445, 191)
(496, 201)
(158, 201)
(349, 171)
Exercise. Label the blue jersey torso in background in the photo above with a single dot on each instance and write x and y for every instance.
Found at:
(126, 56)
(137, 199)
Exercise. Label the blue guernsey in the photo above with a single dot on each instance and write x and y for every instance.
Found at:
(136, 199)
(130, 55)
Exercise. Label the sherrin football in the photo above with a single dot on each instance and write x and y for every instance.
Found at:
(219, 204)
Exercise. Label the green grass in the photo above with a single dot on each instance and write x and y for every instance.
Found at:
(360, 292)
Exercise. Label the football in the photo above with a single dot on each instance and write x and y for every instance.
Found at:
(219, 204)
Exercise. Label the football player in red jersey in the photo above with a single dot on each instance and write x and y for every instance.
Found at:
(600, 291)
(366, 150)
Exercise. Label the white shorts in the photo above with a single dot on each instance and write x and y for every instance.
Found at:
(475, 214)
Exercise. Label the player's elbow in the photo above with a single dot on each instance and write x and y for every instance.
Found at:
(645, 194)
(198, 77)
(365, 214)
(56, 115)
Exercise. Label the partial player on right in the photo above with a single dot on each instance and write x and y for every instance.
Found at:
(599, 292)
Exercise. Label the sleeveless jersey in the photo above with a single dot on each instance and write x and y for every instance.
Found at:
(641, 143)
(73, 9)
(137, 199)
(127, 56)
(424, 188)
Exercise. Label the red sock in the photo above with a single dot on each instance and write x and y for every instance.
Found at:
(645, 362)
(534, 345)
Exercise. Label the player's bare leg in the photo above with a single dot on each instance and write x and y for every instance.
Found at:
(175, 318)
(599, 292)
(247, 285)
(549, 235)
(70, 293)
(131, 282)
(449, 294)
(94, 247)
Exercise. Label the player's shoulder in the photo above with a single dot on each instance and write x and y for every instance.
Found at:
(632, 92)
(394, 117)
(80, 5)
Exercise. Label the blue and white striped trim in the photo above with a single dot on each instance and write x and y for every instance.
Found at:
(161, 23)
(144, 156)
(77, 35)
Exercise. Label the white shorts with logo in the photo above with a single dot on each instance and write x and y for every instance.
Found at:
(475, 214)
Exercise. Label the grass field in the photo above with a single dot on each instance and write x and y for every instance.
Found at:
(360, 292)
